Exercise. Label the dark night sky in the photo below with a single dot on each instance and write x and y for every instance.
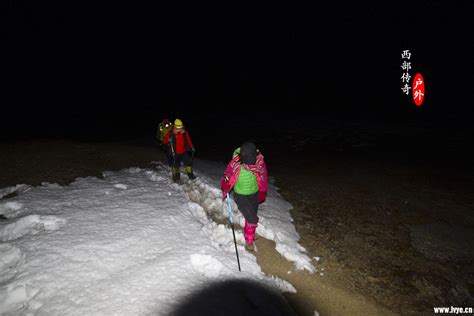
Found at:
(67, 65)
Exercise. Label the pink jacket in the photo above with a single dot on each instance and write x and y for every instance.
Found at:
(231, 174)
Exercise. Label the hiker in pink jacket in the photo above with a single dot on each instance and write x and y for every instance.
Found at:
(246, 175)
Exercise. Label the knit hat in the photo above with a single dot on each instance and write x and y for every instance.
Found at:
(248, 153)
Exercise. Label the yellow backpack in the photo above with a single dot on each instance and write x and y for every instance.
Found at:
(163, 128)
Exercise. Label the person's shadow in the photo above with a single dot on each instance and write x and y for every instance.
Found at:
(234, 297)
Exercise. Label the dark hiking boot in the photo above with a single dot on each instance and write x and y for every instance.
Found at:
(176, 177)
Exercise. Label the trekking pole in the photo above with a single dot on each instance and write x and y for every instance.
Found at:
(174, 157)
(172, 151)
(231, 219)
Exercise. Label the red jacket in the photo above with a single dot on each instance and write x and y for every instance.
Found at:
(180, 140)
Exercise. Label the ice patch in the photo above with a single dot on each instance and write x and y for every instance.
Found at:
(10, 258)
(120, 186)
(206, 265)
(31, 224)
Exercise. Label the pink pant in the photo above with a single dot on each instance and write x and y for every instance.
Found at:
(249, 232)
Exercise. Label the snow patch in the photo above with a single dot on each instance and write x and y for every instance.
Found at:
(50, 185)
(206, 265)
(19, 189)
(30, 224)
(9, 207)
(127, 252)
(134, 170)
(208, 197)
(10, 258)
(198, 212)
(283, 285)
(121, 186)
(221, 234)
(156, 177)
(18, 297)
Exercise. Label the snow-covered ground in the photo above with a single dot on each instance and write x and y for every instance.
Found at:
(131, 243)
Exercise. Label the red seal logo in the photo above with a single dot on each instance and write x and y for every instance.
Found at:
(418, 89)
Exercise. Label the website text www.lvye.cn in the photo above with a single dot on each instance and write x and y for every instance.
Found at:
(454, 310)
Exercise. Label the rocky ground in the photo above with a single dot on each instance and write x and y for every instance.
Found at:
(388, 210)
(397, 234)
(392, 234)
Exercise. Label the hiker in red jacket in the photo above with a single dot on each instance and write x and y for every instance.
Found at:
(182, 149)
